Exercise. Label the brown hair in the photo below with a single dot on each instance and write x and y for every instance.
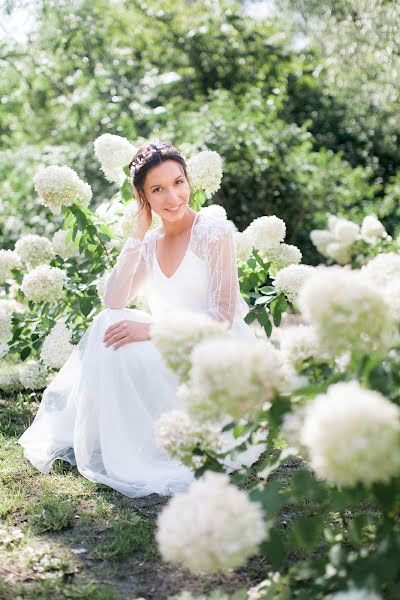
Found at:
(149, 156)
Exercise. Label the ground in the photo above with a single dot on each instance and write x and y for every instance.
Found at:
(63, 536)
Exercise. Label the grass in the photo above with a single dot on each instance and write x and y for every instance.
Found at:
(63, 536)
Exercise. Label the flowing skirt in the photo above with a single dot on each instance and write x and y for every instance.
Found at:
(98, 414)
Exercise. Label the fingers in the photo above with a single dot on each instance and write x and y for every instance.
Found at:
(121, 342)
(113, 330)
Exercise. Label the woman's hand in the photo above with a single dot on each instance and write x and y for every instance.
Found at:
(125, 332)
(144, 216)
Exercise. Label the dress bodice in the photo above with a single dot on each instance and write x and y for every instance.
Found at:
(186, 289)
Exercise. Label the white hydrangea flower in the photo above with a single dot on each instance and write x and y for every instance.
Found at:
(59, 186)
(4, 348)
(244, 245)
(12, 227)
(5, 326)
(9, 259)
(10, 306)
(56, 346)
(33, 375)
(126, 223)
(383, 269)
(392, 292)
(213, 526)
(290, 279)
(321, 238)
(332, 222)
(178, 434)
(216, 211)
(299, 344)
(282, 256)
(231, 377)
(266, 232)
(101, 283)
(358, 441)
(339, 302)
(260, 591)
(354, 594)
(34, 250)
(341, 253)
(345, 231)
(372, 229)
(205, 172)
(62, 247)
(178, 333)
(9, 377)
(114, 153)
(44, 284)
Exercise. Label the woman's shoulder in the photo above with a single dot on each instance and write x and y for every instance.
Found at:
(211, 227)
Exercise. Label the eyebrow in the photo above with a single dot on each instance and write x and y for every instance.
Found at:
(158, 185)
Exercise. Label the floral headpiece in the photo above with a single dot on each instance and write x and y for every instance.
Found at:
(137, 163)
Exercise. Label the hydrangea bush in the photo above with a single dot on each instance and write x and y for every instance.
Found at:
(324, 391)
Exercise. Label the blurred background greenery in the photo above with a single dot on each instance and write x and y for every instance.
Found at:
(299, 97)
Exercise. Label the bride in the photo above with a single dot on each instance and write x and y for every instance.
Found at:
(98, 411)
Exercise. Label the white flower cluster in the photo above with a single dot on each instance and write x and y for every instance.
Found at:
(126, 223)
(289, 280)
(56, 346)
(101, 283)
(216, 211)
(178, 333)
(178, 434)
(114, 153)
(339, 303)
(282, 256)
(354, 594)
(44, 284)
(9, 377)
(62, 247)
(4, 348)
(384, 273)
(61, 186)
(356, 441)
(266, 234)
(33, 375)
(300, 344)
(264, 589)
(34, 250)
(231, 377)
(9, 259)
(244, 245)
(213, 526)
(5, 326)
(205, 171)
(9, 305)
(337, 241)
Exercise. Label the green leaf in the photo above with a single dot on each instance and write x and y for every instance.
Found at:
(274, 549)
(86, 305)
(198, 199)
(126, 191)
(307, 532)
(25, 353)
(81, 219)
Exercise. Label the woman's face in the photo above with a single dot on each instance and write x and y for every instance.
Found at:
(167, 190)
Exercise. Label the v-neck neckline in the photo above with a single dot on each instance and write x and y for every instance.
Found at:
(184, 256)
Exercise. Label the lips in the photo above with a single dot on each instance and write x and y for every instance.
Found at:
(174, 209)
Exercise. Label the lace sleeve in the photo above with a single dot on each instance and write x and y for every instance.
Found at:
(223, 287)
(127, 276)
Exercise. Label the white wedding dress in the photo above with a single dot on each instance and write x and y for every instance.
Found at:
(98, 411)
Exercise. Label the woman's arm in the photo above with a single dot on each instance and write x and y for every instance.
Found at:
(224, 283)
(127, 276)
